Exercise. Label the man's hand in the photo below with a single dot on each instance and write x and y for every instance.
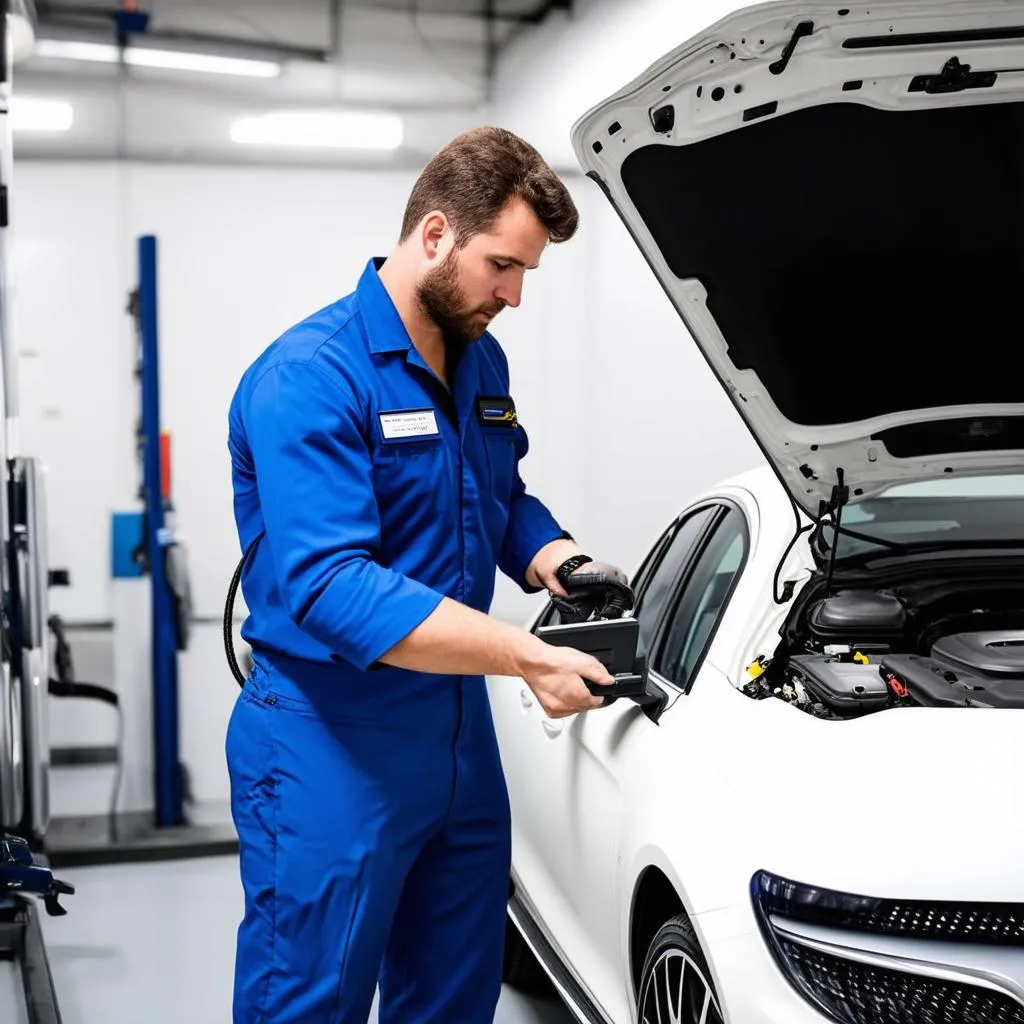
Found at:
(595, 590)
(457, 640)
(544, 566)
(556, 674)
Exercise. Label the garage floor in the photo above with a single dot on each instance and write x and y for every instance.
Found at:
(156, 942)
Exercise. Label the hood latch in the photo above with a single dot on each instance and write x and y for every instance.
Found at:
(954, 77)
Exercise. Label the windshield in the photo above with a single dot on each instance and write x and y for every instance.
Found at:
(935, 512)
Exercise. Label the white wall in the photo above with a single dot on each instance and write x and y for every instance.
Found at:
(74, 339)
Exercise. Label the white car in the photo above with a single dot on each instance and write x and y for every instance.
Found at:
(823, 817)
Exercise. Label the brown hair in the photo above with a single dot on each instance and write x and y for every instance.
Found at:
(472, 178)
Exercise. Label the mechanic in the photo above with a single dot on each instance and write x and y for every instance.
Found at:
(375, 461)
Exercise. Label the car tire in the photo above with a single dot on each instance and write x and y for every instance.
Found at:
(675, 983)
(520, 968)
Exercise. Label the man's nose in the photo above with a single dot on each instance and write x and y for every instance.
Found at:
(511, 293)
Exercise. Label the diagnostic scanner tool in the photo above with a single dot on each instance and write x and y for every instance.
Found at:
(613, 642)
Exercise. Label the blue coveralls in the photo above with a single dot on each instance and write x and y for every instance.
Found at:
(370, 801)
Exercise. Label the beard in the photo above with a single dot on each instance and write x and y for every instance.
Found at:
(443, 300)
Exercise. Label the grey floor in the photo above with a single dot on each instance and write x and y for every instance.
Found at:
(12, 1008)
(155, 942)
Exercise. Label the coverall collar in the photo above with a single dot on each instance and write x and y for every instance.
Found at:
(384, 326)
(387, 333)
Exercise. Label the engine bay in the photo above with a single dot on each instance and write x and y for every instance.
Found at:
(955, 641)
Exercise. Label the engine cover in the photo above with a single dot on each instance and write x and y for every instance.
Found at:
(994, 653)
(984, 670)
(859, 616)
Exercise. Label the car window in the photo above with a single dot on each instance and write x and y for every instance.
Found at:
(699, 607)
(656, 581)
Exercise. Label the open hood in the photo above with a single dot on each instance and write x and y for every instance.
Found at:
(833, 199)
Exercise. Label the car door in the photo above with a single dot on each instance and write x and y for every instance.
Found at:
(539, 772)
(680, 604)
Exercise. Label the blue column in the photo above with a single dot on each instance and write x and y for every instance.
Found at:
(164, 643)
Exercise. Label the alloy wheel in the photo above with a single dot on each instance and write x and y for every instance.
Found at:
(676, 991)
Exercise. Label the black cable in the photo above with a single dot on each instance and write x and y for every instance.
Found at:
(90, 691)
(880, 541)
(229, 612)
(833, 518)
(800, 531)
(118, 774)
(93, 691)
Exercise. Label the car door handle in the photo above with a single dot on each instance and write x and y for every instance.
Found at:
(526, 697)
(552, 727)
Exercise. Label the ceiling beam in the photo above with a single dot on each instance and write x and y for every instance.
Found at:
(83, 16)
(87, 17)
(479, 10)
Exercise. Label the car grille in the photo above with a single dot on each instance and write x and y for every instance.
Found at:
(997, 924)
(856, 993)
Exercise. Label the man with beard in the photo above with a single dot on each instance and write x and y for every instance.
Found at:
(375, 458)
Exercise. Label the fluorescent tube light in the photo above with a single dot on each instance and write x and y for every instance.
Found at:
(149, 57)
(327, 129)
(37, 115)
(69, 49)
(202, 62)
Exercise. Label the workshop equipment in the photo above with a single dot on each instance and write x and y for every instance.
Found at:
(21, 939)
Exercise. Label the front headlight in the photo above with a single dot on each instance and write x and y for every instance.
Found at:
(852, 987)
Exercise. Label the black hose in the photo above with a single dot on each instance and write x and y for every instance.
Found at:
(93, 691)
(229, 612)
(89, 691)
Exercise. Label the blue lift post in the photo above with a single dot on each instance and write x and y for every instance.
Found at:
(145, 543)
(168, 776)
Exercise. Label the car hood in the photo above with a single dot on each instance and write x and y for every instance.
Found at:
(832, 199)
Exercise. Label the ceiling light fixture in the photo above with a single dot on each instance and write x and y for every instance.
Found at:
(324, 129)
(150, 57)
(37, 115)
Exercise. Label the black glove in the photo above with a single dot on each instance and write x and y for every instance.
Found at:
(596, 590)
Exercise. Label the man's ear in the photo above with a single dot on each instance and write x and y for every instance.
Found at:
(436, 235)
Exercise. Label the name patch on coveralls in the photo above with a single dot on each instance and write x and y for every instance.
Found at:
(409, 425)
(497, 412)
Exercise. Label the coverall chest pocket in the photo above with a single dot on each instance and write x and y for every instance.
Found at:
(410, 472)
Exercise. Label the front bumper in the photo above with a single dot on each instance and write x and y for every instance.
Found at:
(906, 979)
(751, 988)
